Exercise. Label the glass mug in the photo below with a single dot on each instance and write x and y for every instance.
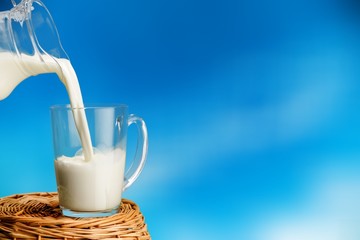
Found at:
(93, 187)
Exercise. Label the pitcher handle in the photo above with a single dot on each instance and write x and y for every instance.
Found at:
(138, 163)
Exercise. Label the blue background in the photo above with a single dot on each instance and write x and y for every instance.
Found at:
(252, 109)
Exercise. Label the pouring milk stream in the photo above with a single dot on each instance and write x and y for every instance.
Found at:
(15, 70)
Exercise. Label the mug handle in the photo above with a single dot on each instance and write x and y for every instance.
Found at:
(138, 163)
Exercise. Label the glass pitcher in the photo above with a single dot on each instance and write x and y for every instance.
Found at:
(28, 38)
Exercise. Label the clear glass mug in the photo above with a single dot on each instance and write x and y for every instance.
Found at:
(27, 34)
(93, 188)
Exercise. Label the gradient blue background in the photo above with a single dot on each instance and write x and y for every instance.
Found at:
(252, 109)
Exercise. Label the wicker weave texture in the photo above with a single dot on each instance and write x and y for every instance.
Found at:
(38, 216)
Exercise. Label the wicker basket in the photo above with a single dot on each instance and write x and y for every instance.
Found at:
(38, 216)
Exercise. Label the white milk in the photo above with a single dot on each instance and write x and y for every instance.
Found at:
(14, 70)
(92, 182)
(91, 186)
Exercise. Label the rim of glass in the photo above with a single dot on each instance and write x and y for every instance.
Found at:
(88, 106)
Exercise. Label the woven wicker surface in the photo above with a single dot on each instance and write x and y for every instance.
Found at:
(38, 216)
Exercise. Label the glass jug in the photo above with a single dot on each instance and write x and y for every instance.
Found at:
(28, 38)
